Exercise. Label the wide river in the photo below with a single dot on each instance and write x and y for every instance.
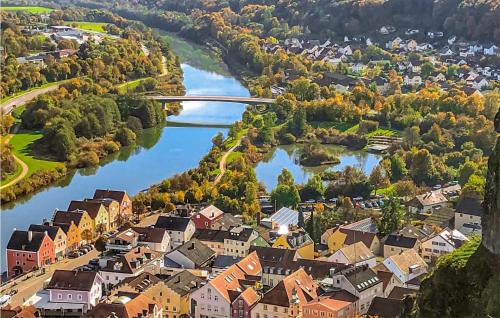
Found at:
(164, 151)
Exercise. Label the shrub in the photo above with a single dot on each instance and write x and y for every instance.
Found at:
(288, 139)
(111, 146)
(125, 136)
(134, 124)
(367, 126)
(88, 159)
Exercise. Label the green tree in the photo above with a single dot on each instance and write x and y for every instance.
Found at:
(392, 216)
(422, 167)
(286, 177)
(285, 195)
(299, 122)
(427, 69)
(466, 170)
(398, 168)
(411, 136)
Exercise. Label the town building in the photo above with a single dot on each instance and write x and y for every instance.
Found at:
(138, 260)
(180, 229)
(126, 307)
(468, 211)
(406, 265)
(123, 199)
(156, 239)
(191, 255)
(296, 239)
(27, 251)
(70, 293)
(355, 254)
(179, 289)
(96, 211)
(205, 218)
(441, 243)
(81, 220)
(56, 234)
(397, 243)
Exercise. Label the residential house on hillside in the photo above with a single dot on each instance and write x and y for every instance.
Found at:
(205, 218)
(70, 291)
(427, 202)
(96, 211)
(125, 307)
(215, 299)
(81, 219)
(191, 255)
(355, 254)
(287, 298)
(441, 243)
(180, 229)
(132, 263)
(226, 222)
(121, 196)
(56, 234)
(28, 250)
(468, 211)
(406, 266)
(122, 241)
(179, 289)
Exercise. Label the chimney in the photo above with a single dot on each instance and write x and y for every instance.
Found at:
(30, 236)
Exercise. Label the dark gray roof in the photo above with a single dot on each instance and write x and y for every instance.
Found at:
(51, 230)
(19, 241)
(149, 234)
(210, 235)
(401, 292)
(196, 251)
(184, 283)
(224, 261)
(470, 206)
(400, 241)
(386, 308)
(361, 277)
(173, 223)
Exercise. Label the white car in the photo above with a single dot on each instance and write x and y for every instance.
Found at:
(4, 299)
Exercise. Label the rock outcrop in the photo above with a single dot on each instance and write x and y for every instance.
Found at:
(491, 218)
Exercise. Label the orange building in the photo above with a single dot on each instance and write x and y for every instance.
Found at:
(330, 307)
(72, 235)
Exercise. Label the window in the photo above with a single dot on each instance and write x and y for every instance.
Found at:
(70, 297)
(275, 309)
(79, 297)
(265, 307)
(59, 296)
(216, 298)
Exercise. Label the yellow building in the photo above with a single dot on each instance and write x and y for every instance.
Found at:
(334, 239)
(97, 213)
(297, 240)
(179, 288)
(81, 220)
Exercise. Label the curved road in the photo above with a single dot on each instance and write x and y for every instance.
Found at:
(8, 106)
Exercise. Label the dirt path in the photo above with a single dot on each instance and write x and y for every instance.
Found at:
(164, 69)
(222, 164)
(24, 167)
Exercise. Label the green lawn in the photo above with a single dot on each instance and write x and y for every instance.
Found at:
(383, 131)
(34, 9)
(89, 26)
(7, 98)
(230, 142)
(12, 176)
(21, 143)
(130, 85)
(233, 156)
(330, 124)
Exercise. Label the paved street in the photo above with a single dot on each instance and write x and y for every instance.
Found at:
(30, 286)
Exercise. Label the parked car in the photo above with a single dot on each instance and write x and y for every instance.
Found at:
(368, 205)
(94, 261)
(13, 292)
(4, 299)
(74, 254)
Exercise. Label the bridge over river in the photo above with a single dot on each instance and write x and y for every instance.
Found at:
(226, 99)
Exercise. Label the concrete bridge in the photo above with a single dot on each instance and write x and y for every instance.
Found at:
(225, 99)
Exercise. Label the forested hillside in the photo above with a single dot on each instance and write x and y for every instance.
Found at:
(475, 20)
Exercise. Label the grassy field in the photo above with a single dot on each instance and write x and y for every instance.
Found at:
(194, 54)
(34, 9)
(331, 124)
(89, 26)
(129, 86)
(384, 131)
(233, 156)
(21, 143)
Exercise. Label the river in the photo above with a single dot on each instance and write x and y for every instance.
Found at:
(161, 152)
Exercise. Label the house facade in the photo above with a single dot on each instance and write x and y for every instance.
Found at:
(180, 229)
(28, 250)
